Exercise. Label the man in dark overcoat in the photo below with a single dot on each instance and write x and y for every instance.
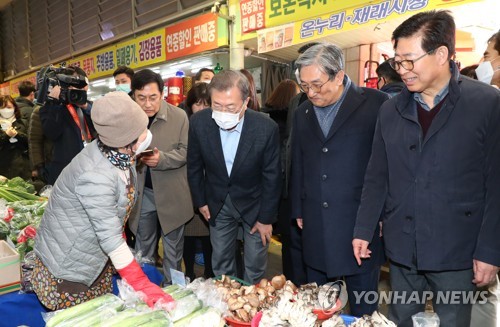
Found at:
(331, 145)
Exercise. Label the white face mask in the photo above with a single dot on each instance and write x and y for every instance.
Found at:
(144, 144)
(124, 88)
(226, 120)
(7, 113)
(485, 71)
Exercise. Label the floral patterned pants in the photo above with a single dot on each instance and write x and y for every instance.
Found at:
(55, 293)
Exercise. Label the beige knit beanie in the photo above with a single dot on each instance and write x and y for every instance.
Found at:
(118, 119)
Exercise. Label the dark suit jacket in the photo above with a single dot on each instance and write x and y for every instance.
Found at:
(59, 127)
(255, 181)
(327, 178)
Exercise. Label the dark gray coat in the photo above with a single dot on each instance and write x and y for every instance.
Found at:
(441, 193)
(327, 178)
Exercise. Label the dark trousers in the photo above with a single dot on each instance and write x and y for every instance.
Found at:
(291, 253)
(366, 282)
(190, 251)
(412, 280)
(223, 235)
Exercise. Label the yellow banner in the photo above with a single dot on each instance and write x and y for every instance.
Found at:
(144, 50)
(97, 63)
(279, 12)
(345, 20)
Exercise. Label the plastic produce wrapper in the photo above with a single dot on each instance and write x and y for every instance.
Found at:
(207, 292)
(185, 306)
(27, 266)
(45, 191)
(425, 319)
(130, 297)
(76, 314)
(128, 318)
(135, 299)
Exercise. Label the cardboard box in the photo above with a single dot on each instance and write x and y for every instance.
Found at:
(10, 269)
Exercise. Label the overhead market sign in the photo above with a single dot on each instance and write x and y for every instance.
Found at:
(144, 50)
(205, 32)
(258, 14)
(307, 30)
(202, 33)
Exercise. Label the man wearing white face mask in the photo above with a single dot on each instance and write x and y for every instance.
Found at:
(486, 314)
(235, 175)
(164, 199)
(489, 70)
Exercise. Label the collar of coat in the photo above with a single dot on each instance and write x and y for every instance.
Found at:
(354, 98)
(162, 114)
(407, 106)
(406, 103)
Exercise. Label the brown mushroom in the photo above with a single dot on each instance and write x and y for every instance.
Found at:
(243, 315)
(253, 300)
(278, 282)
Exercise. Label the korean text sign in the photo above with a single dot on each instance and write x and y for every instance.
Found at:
(191, 36)
(310, 29)
(252, 15)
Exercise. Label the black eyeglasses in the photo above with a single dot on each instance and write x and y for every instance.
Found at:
(316, 88)
(407, 64)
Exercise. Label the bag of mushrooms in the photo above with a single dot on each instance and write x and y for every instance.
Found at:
(244, 300)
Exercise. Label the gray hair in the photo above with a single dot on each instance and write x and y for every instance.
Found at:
(227, 79)
(327, 56)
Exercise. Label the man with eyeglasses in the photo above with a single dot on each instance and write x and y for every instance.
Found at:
(331, 144)
(234, 173)
(434, 178)
(164, 203)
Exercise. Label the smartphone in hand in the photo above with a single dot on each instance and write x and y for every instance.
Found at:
(148, 152)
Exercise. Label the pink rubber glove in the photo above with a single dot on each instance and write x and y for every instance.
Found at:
(136, 278)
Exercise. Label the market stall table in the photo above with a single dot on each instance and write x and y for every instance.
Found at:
(18, 309)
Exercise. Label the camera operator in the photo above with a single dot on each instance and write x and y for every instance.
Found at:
(66, 121)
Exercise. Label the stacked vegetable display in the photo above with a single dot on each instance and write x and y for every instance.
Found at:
(23, 211)
(111, 311)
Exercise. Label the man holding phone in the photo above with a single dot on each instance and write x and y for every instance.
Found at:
(164, 198)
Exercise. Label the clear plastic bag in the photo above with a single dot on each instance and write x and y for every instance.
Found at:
(207, 292)
(425, 319)
(45, 191)
(27, 267)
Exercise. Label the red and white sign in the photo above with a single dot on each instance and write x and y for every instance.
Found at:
(191, 36)
(252, 15)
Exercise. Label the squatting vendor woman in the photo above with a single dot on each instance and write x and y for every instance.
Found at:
(81, 233)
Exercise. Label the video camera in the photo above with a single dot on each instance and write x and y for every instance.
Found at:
(48, 77)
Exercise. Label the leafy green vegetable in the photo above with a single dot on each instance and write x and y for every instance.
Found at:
(21, 185)
(20, 220)
(4, 227)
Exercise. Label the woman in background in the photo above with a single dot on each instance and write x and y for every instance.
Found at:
(13, 140)
(196, 230)
(254, 101)
(277, 108)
